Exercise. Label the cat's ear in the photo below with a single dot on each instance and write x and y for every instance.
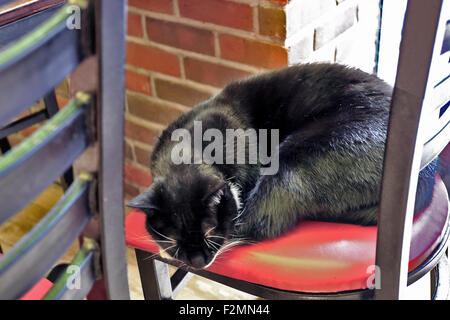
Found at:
(146, 201)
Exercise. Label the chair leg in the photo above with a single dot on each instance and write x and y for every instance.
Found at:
(51, 104)
(155, 278)
(179, 280)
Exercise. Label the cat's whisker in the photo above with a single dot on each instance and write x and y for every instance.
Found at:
(168, 248)
(209, 230)
(152, 256)
(219, 237)
(223, 251)
(207, 243)
(229, 245)
(218, 257)
(213, 242)
(146, 239)
(239, 224)
(239, 214)
(161, 251)
(212, 245)
(165, 241)
(164, 236)
(214, 248)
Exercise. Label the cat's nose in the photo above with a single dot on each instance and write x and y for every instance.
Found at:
(197, 260)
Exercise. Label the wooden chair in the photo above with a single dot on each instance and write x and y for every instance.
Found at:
(320, 260)
(87, 131)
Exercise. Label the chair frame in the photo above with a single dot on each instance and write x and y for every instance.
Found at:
(400, 169)
(111, 26)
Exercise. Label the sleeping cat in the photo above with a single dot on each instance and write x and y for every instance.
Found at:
(330, 123)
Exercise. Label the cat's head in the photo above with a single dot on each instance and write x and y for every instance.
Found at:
(189, 214)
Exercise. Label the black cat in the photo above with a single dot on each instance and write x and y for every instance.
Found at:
(326, 130)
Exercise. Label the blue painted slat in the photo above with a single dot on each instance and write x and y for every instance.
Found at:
(14, 30)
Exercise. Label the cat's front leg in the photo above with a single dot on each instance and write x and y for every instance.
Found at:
(273, 206)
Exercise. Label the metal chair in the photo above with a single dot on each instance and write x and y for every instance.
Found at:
(92, 207)
(419, 129)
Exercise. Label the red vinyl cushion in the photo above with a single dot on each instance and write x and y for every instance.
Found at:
(315, 256)
(38, 291)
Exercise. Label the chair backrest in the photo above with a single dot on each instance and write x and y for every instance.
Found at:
(419, 130)
(88, 130)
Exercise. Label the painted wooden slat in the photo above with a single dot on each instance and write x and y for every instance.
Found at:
(78, 278)
(14, 30)
(39, 160)
(33, 256)
(35, 64)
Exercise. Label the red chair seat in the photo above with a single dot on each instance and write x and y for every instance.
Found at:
(315, 256)
(38, 291)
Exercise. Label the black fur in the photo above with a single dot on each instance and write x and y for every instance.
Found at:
(332, 123)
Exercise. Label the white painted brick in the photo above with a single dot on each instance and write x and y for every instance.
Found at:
(303, 48)
(362, 51)
(324, 54)
(330, 29)
(343, 31)
(346, 47)
(368, 11)
(357, 49)
(300, 13)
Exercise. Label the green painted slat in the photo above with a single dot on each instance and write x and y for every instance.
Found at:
(26, 146)
(60, 286)
(46, 223)
(32, 38)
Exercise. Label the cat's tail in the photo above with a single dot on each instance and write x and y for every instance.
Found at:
(444, 167)
(425, 185)
(424, 194)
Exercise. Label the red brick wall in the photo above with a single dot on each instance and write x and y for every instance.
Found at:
(180, 52)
